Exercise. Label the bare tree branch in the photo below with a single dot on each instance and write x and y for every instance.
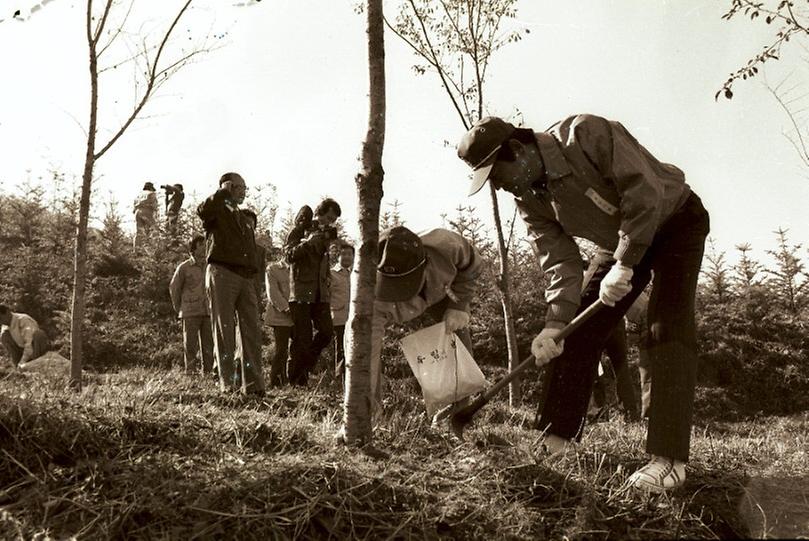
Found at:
(102, 23)
(426, 35)
(798, 141)
(151, 80)
(128, 59)
(117, 30)
(511, 229)
(407, 41)
(475, 58)
(88, 20)
(793, 19)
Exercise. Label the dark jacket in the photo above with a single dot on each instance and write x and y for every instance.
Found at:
(307, 252)
(174, 201)
(230, 237)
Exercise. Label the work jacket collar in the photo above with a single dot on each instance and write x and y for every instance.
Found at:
(556, 166)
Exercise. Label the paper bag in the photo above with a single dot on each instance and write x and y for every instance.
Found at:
(442, 365)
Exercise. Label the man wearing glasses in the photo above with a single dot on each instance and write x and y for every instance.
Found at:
(589, 177)
(230, 284)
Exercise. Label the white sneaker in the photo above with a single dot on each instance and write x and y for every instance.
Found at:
(554, 446)
(659, 475)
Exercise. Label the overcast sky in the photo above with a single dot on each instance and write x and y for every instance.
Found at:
(284, 100)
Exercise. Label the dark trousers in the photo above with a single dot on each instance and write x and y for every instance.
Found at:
(339, 350)
(616, 350)
(306, 348)
(645, 372)
(197, 337)
(675, 256)
(278, 364)
(40, 345)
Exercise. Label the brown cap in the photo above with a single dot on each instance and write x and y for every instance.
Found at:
(401, 265)
(479, 146)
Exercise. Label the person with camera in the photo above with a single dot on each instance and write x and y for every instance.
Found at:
(173, 202)
(307, 252)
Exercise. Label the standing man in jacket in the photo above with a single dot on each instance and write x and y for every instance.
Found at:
(436, 272)
(229, 280)
(278, 315)
(306, 251)
(589, 177)
(21, 336)
(188, 297)
(340, 299)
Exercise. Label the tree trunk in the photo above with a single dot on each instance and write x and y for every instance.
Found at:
(80, 255)
(514, 395)
(357, 406)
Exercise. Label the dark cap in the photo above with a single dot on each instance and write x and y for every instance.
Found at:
(401, 265)
(479, 146)
(149, 186)
(231, 176)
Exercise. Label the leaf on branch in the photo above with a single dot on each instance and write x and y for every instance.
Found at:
(728, 93)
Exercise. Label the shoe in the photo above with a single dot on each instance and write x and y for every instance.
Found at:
(554, 446)
(659, 475)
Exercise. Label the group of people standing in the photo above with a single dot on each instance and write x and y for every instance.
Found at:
(583, 177)
(217, 292)
(145, 209)
(308, 290)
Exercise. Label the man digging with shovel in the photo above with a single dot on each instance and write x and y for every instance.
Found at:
(589, 177)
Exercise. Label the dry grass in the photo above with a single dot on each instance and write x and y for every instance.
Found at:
(147, 454)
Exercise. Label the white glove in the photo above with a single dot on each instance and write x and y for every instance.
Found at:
(615, 284)
(544, 347)
(455, 319)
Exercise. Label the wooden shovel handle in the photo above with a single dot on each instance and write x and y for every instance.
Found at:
(566, 331)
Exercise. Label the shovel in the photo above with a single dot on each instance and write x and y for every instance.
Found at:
(462, 417)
